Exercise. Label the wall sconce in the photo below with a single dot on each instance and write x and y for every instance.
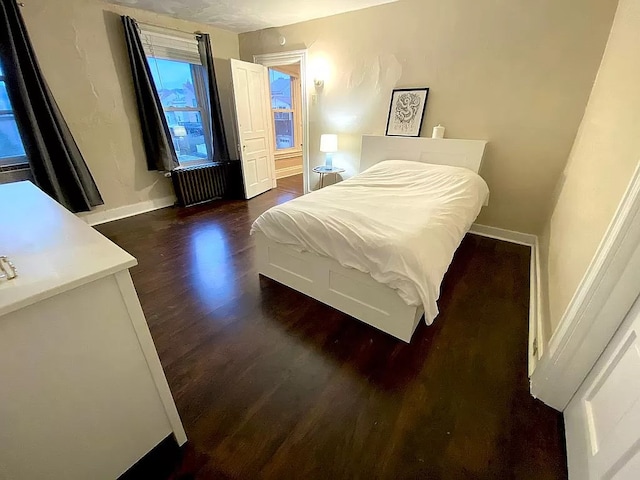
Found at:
(321, 71)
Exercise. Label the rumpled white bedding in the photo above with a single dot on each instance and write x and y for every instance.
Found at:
(400, 221)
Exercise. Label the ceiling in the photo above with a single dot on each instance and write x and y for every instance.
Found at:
(249, 15)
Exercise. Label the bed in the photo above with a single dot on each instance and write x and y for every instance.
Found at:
(376, 246)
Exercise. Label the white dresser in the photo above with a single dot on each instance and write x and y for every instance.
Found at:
(82, 391)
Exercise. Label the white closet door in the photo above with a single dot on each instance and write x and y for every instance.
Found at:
(253, 115)
(603, 418)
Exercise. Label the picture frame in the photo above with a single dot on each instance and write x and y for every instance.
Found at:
(406, 112)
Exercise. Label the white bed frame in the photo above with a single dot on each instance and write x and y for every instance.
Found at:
(348, 290)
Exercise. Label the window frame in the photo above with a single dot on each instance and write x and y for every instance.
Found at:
(19, 160)
(296, 110)
(176, 48)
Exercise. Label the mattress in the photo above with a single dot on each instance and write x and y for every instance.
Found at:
(399, 221)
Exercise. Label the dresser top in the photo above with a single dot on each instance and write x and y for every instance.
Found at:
(52, 249)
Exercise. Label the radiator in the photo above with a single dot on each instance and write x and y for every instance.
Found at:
(204, 183)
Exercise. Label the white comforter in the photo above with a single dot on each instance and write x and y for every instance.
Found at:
(399, 221)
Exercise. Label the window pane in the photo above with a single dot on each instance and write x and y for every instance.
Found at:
(283, 122)
(4, 97)
(280, 84)
(187, 133)
(10, 142)
(174, 82)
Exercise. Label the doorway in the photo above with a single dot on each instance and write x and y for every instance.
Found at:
(287, 87)
(286, 110)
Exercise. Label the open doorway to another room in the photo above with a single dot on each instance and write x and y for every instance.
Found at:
(286, 108)
(289, 110)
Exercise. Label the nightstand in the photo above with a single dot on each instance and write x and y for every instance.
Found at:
(323, 171)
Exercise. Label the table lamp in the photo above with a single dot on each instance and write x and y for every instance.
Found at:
(329, 145)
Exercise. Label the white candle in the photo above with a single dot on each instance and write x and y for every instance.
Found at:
(438, 132)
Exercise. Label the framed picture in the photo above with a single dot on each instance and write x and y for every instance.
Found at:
(406, 112)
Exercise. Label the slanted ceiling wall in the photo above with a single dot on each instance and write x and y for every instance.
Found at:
(81, 49)
(603, 159)
(515, 72)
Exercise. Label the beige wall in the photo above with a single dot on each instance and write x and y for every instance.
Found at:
(515, 72)
(602, 161)
(81, 49)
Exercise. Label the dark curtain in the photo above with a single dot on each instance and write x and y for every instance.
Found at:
(220, 147)
(161, 155)
(56, 162)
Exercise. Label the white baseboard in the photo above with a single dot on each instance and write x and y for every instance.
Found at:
(503, 234)
(536, 327)
(288, 171)
(104, 216)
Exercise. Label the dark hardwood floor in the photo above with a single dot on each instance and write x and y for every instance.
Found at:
(272, 384)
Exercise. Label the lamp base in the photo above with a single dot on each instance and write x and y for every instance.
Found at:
(328, 163)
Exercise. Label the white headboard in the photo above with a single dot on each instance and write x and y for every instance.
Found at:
(445, 151)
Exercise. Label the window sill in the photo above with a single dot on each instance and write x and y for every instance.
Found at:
(13, 163)
(288, 154)
(15, 175)
(195, 163)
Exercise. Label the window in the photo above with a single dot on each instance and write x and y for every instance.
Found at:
(285, 105)
(180, 80)
(11, 148)
(183, 107)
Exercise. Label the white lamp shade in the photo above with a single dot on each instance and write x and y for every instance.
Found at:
(328, 142)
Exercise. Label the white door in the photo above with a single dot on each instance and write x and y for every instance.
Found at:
(603, 418)
(253, 115)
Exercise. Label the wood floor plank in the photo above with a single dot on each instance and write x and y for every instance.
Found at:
(272, 384)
